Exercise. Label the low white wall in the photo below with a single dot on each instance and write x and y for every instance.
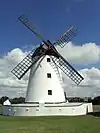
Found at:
(89, 107)
(68, 109)
(64, 110)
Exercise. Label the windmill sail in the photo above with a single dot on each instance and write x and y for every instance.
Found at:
(68, 69)
(23, 19)
(20, 70)
(49, 49)
(66, 37)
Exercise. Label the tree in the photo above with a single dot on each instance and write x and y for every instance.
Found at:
(2, 99)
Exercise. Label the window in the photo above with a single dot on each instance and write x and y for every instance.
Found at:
(49, 92)
(48, 75)
(48, 59)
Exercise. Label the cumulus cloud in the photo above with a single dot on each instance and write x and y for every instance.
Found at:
(88, 53)
(85, 54)
(90, 86)
(8, 82)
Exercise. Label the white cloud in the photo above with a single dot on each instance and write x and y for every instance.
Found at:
(15, 56)
(87, 53)
(88, 87)
(8, 82)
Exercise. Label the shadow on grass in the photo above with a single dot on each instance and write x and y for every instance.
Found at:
(96, 114)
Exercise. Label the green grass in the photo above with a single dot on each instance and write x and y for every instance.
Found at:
(80, 124)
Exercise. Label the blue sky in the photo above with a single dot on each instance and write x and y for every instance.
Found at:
(51, 17)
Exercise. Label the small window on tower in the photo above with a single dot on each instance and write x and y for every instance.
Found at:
(48, 59)
(48, 75)
(49, 92)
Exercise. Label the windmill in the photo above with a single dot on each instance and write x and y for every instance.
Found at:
(36, 56)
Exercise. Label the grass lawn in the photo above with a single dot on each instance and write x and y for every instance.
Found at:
(80, 124)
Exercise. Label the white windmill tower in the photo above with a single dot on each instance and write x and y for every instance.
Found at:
(46, 63)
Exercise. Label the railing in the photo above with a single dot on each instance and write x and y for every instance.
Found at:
(56, 69)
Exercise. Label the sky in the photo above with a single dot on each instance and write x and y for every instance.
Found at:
(51, 18)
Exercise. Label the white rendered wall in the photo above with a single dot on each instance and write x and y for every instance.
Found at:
(39, 84)
(89, 107)
(67, 109)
